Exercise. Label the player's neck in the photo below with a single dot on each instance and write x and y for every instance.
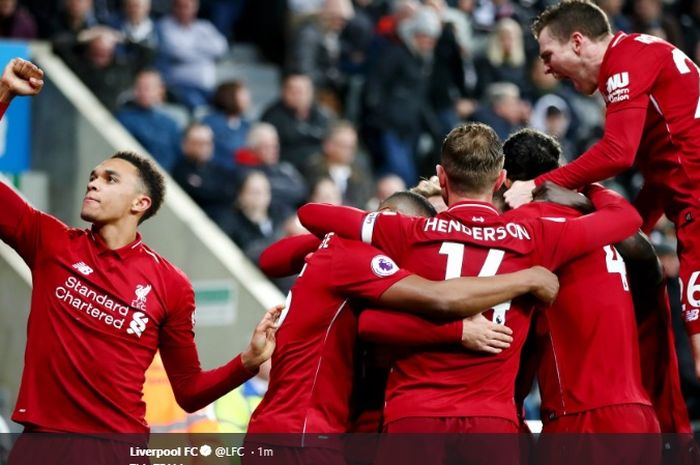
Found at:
(115, 236)
(454, 198)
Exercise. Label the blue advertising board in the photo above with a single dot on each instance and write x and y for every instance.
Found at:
(15, 126)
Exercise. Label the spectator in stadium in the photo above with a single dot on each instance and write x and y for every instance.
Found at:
(95, 60)
(211, 186)
(189, 48)
(613, 9)
(505, 59)
(254, 222)
(16, 22)
(504, 110)
(75, 17)
(383, 188)
(136, 25)
(228, 120)
(300, 122)
(325, 190)
(155, 130)
(338, 161)
(262, 153)
(315, 50)
(103, 303)
(648, 17)
(396, 95)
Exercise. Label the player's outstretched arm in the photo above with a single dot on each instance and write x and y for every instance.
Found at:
(400, 329)
(20, 77)
(463, 297)
(194, 388)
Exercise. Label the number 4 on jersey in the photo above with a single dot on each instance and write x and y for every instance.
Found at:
(616, 264)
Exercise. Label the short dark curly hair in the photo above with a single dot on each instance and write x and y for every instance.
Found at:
(151, 177)
(530, 153)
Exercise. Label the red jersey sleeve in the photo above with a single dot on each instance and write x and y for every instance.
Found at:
(614, 153)
(194, 388)
(403, 329)
(564, 239)
(361, 270)
(287, 256)
(3, 109)
(321, 218)
(386, 230)
(22, 226)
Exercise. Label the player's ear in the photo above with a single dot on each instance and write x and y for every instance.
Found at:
(576, 41)
(141, 203)
(441, 175)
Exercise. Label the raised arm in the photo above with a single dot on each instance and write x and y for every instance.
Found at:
(614, 153)
(463, 297)
(194, 388)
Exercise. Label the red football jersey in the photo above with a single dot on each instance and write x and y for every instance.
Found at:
(312, 367)
(472, 239)
(652, 93)
(587, 340)
(97, 317)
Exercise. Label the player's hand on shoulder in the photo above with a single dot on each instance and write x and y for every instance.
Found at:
(481, 335)
(519, 193)
(262, 343)
(544, 284)
(21, 77)
(550, 192)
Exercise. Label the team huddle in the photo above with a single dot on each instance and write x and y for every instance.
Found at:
(410, 319)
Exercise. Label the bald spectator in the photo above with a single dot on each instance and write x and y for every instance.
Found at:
(338, 161)
(210, 185)
(189, 49)
(299, 121)
(262, 153)
(228, 121)
(143, 118)
(16, 22)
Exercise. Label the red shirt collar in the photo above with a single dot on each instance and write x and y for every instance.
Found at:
(484, 208)
(122, 252)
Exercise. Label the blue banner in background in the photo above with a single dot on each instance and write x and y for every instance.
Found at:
(15, 125)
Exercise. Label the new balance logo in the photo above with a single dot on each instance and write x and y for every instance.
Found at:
(83, 268)
(618, 81)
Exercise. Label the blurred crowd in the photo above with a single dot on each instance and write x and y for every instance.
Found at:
(369, 89)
